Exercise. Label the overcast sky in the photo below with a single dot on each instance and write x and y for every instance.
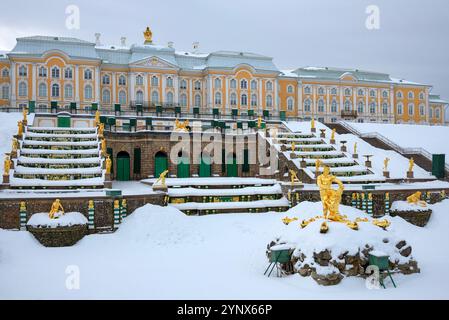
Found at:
(411, 43)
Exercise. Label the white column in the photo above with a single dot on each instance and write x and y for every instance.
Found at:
(176, 85)
(114, 91)
(131, 86)
(145, 88)
(275, 96)
(341, 92)
(77, 86)
(33, 83)
(328, 108)
(13, 83)
(379, 102)
(209, 92)
(164, 85)
(366, 111)
(391, 112)
(427, 104)
(300, 105)
(97, 84)
(226, 93)
(261, 101)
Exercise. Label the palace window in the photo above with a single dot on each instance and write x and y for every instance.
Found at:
(197, 100)
(233, 84)
(421, 109)
(385, 94)
(437, 113)
(233, 99)
(372, 108)
(320, 91)
(183, 85)
(385, 108)
(169, 97)
(139, 97)
(430, 112)
(269, 101)
(42, 90)
(334, 106)
(321, 105)
(23, 89)
(88, 92)
(243, 84)
(399, 95)
(68, 91)
(122, 97)
(290, 89)
(307, 90)
(269, 85)
(218, 98)
(361, 92)
(106, 79)
(334, 91)
(348, 105)
(347, 92)
(169, 82)
(411, 109)
(5, 73)
(68, 73)
(122, 80)
(307, 104)
(253, 85)
(244, 100)
(183, 100)
(372, 93)
(139, 80)
(154, 81)
(155, 97)
(87, 74)
(411, 95)
(253, 100)
(22, 71)
(42, 72)
(290, 104)
(55, 90)
(55, 72)
(106, 96)
(421, 95)
(5, 92)
(400, 108)
(217, 83)
(360, 107)
(197, 85)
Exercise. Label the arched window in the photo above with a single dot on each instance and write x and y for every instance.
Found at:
(385, 94)
(437, 113)
(385, 108)
(183, 100)
(68, 91)
(55, 72)
(431, 113)
(197, 100)
(399, 95)
(372, 93)
(233, 99)
(217, 83)
(22, 71)
(68, 73)
(269, 85)
(421, 95)
(320, 90)
(23, 89)
(106, 96)
(42, 72)
(183, 84)
(169, 82)
(87, 74)
(411, 109)
(122, 97)
(5, 73)
(154, 81)
(122, 80)
(254, 100)
(106, 79)
(55, 90)
(42, 90)
(269, 101)
(243, 84)
(321, 105)
(139, 80)
(307, 105)
(400, 108)
(155, 97)
(5, 92)
(88, 92)
(139, 97)
(218, 98)
(169, 97)
(290, 104)
(347, 92)
(360, 107)
(334, 91)
(411, 95)
(348, 106)
(253, 85)
(334, 106)
(233, 83)
(421, 110)
(372, 108)
(197, 85)
(361, 92)
(244, 100)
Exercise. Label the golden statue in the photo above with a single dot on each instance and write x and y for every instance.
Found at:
(103, 146)
(324, 228)
(161, 179)
(293, 176)
(6, 166)
(23, 206)
(148, 35)
(56, 207)
(25, 113)
(312, 123)
(381, 223)
(288, 220)
(259, 122)
(386, 161)
(91, 204)
(416, 199)
(293, 146)
(329, 197)
(108, 164)
(318, 163)
(333, 134)
(411, 163)
(97, 118)
(15, 144)
(20, 128)
(181, 126)
(101, 129)
(355, 148)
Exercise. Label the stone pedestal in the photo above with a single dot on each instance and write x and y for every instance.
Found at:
(368, 164)
(313, 130)
(387, 174)
(410, 175)
(293, 155)
(355, 156)
(107, 181)
(6, 179)
(343, 149)
(303, 164)
(13, 155)
(160, 187)
(332, 141)
(323, 135)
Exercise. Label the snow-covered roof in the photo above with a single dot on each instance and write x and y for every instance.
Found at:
(435, 98)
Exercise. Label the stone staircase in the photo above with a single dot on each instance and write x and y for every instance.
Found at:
(52, 158)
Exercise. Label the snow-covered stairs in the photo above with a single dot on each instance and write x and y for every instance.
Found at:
(53, 157)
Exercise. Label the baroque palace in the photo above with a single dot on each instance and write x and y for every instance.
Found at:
(42, 70)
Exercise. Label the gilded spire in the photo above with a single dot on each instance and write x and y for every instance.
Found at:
(148, 35)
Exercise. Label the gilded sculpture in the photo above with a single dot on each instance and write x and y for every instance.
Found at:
(386, 161)
(416, 199)
(19, 128)
(108, 164)
(329, 197)
(161, 179)
(333, 134)
(6, 166)
(411, 164)
(148, 35)
(56, 209)
(181, 126)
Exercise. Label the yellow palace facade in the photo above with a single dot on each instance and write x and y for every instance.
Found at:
(42, 70)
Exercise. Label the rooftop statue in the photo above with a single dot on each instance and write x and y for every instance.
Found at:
(148, 35)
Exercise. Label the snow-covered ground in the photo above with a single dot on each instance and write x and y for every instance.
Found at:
(431, 138)
(159, 253)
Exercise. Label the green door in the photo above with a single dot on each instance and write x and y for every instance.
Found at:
(64, 122)
(160, 164)
(231, 167)
(183, 168)
(122, 166)
(205, 170)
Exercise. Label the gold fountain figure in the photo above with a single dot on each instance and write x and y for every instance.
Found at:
(416, 199)
(333, 134)
(312, 123)
(25, 113)
(181, 126)
(329, 197)
(6, 166)
(411, 163)
(386, 161)
(56, 207)
(148, 35)
(355, 148)
(19, 128)
(108, 164)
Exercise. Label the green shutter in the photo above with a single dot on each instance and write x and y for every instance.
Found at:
(94, 106)
(31, 107)
(111, 155)
(137, 160)
(282, 115)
